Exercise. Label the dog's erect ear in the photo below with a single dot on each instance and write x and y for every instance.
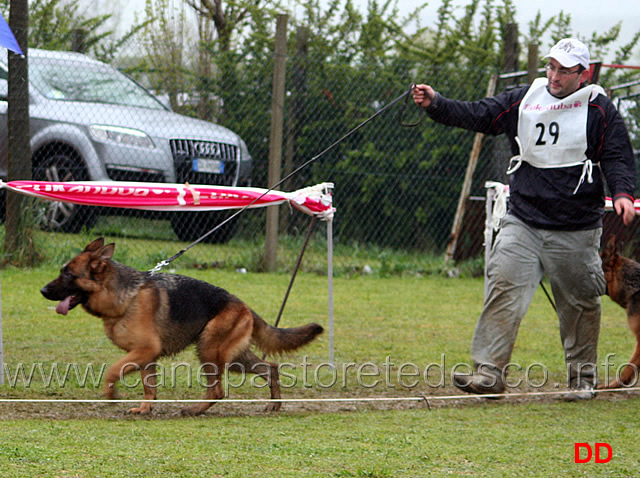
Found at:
(95, 245)
(611, 248)
(99, 258)
(107, 252)
(99, 250)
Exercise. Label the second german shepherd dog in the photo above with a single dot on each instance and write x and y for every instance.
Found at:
(623, 286)
(155, 315)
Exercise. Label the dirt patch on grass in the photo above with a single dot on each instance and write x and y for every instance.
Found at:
(322, 403)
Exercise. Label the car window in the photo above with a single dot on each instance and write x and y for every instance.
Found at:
(61, 79)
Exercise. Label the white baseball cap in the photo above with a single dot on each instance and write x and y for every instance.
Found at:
(570, 52)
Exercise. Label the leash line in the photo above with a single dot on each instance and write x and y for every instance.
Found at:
(551, 301)
(166, 262)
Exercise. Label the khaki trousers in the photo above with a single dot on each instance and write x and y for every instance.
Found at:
(521, 255)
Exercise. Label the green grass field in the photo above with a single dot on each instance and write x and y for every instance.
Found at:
(388, 330)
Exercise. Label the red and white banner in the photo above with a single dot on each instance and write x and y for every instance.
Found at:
(315, 200)
(608, 205)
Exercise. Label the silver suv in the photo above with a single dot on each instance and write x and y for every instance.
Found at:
(91, 122)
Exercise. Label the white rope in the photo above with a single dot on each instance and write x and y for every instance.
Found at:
(320, 400)
(499, 202)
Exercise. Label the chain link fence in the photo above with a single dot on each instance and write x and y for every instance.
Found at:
(396, 186)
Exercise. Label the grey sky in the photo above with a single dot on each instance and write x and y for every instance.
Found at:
(587, 16)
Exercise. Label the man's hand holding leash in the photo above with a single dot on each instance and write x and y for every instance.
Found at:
(423, 95)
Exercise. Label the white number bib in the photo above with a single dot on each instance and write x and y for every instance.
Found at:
(552, 132)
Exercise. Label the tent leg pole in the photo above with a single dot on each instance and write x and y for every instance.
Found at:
(1, 346)
(330, 285)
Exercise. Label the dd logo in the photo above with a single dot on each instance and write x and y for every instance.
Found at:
(589, 453)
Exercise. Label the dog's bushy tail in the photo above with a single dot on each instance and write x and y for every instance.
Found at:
(273, 340)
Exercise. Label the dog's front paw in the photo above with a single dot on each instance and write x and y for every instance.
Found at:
(110, 391)
(610, 385)
(273, 407)
(193, 411)
(143, 409)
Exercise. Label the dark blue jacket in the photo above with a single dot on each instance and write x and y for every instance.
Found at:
(543, 198)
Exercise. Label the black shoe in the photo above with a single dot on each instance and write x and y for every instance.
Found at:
(478, 384)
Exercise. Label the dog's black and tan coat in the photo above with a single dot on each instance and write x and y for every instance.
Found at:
(623, 287)
(152, 316)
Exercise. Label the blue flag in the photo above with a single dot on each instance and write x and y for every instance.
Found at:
(7, 39)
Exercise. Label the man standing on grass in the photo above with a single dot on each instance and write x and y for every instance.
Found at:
(565, 135)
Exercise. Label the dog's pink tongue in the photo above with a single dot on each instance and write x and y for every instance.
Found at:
(63, 306)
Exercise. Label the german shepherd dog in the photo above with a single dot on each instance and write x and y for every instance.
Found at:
(155, 315)
(623, 286)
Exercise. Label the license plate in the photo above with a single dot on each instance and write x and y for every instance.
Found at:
(208, 166)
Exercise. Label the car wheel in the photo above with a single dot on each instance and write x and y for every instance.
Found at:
(58, 216)
(190, 226)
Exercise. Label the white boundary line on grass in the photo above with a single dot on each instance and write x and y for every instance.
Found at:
(315, 400)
